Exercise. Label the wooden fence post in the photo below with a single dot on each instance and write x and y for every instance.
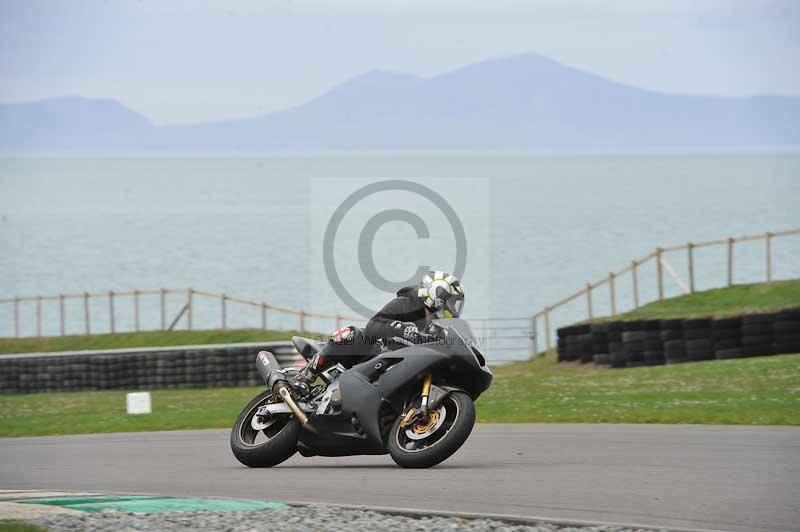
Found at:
(547, 328)
(589, 299)
(111, 310)
(613, 293)
(38, 316)
(768, 240)
(16, 317)
(189, 309)
(163, 302)
(224, 300)
(86, 317)
(660, 273)
(690, 251)
(136, 309)
(730, 261)
(635, 277)
(302, 321)
(61, 324)
(263, 315)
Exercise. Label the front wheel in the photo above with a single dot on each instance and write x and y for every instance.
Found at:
(258, 442)
(433, 440)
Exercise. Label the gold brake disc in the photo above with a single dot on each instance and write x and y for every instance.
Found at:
(422, 428)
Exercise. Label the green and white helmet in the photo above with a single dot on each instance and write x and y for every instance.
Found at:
(442, 294)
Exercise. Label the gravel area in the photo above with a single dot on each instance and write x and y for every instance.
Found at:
(290, 520)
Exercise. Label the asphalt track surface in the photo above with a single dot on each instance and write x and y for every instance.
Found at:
(736, 478)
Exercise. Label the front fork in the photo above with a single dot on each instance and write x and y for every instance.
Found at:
(426, 391)
(415, 414)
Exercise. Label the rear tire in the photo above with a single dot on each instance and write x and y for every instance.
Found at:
(457, 426)
(281, 441)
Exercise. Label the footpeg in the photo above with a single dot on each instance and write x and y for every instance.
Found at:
(299, 388)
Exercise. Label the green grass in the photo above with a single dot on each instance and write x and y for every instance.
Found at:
(763, 390)
(10, 525)
(90, 412)
(738, 299)
(141, 339)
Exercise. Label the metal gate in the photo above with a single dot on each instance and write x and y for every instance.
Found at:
(506, 339)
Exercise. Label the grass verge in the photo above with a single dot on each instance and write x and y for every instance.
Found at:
(763, 390)
(142, 339)
(721, 302)
(758, 391)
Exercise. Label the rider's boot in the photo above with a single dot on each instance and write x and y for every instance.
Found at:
(341, 339)
(301, 383)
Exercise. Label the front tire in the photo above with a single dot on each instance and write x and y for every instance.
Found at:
(443, 439)
(280, 436)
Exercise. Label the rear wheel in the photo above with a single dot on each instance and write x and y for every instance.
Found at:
(433, 440)
(263, 442)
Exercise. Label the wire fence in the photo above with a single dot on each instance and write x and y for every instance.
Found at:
(662, 269)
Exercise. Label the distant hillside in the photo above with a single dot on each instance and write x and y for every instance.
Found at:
(520, 103)
(71, 123)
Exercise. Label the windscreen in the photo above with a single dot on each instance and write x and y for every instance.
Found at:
(462, 328)
(464, 331)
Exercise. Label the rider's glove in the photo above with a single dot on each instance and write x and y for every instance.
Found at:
(408, 330)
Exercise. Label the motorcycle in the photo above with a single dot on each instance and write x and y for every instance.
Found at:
(414, 401)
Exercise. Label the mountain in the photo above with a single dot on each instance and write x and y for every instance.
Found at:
(520, 103)
(71, 123)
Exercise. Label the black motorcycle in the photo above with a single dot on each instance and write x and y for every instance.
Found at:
(412, 401)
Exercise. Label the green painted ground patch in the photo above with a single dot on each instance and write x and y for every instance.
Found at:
(151, 504)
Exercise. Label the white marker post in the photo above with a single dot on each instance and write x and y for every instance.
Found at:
(138, 403)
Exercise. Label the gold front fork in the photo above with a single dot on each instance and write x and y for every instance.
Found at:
(412, 413)
(426, 391)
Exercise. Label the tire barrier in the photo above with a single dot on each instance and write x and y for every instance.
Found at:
(621, 344)
(122, 369)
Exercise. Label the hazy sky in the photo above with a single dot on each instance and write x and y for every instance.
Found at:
(192, 61)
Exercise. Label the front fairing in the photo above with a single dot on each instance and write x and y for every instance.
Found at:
(382, 385)
(455, 358)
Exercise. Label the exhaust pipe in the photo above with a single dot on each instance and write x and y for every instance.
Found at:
(269, 369)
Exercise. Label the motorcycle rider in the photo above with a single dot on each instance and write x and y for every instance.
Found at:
(438, 295)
